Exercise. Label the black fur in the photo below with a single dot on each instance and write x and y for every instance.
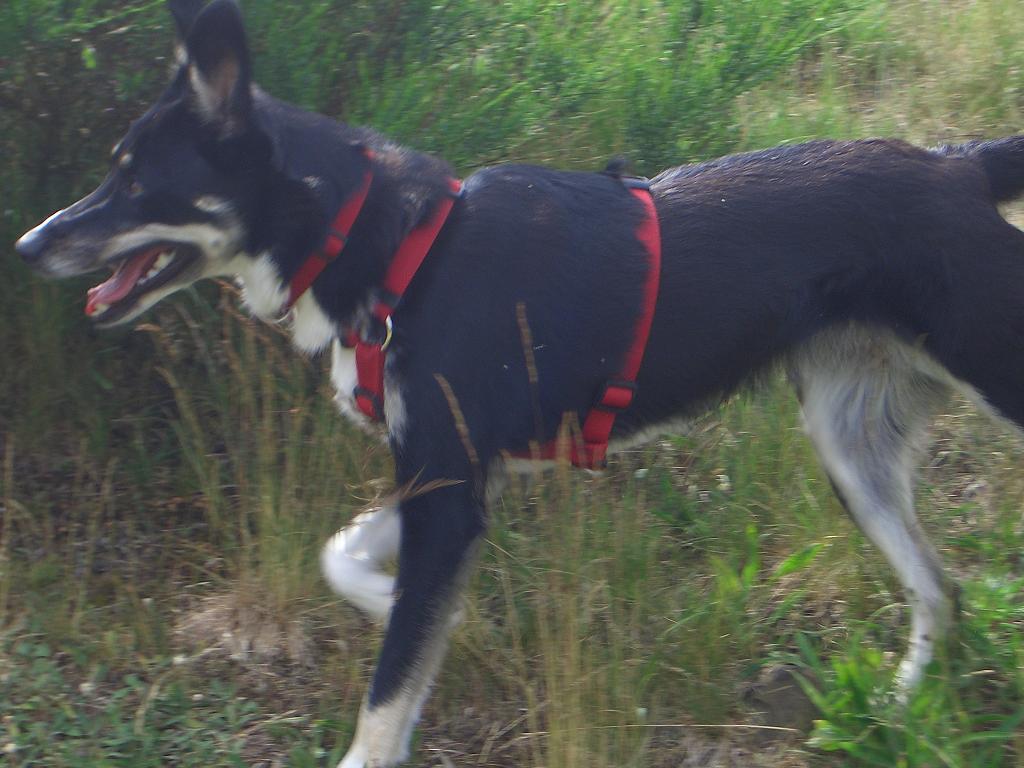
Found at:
(1002, 161)
(184, 12)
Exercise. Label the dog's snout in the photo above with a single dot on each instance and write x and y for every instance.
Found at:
(30, 246)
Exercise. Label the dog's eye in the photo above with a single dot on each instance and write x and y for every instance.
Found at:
(134, 189)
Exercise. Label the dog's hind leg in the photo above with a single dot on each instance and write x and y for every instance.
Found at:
(351, 561)
(440, 529)
(866, 399)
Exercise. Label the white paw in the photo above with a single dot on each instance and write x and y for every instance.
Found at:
(358, 757)
(351, 561)
(909, 677)
(354, 759)
(355, 578)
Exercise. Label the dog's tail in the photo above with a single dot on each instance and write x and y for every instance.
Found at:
(1001, 159)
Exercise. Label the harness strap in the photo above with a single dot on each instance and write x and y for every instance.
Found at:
(334, 242)
(371, 354)
(617, 394)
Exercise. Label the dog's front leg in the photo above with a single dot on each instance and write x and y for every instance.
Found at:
(351, 561)
(439, 531)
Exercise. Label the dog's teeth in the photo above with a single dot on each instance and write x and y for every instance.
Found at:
(99, 309)
(162, 261)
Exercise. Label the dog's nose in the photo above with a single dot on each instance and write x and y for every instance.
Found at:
(30, 246)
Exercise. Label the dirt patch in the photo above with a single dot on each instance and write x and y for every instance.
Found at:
(237, 625)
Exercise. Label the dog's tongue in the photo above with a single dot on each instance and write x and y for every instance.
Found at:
(123, 280)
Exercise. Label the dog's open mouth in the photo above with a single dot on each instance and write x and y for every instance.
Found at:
(136, 275)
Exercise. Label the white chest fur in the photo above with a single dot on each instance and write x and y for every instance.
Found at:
(312, 330)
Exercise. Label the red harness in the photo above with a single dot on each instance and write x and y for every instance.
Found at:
(618, 392)
(334, 243)
(370, 355)
(591, 450)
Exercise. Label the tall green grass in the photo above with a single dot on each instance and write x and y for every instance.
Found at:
(257, 430)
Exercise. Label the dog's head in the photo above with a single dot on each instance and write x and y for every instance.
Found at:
(184, 183)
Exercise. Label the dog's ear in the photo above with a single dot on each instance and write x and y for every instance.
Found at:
(218, 66)
(184, 13)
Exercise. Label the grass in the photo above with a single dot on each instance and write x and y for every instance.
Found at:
(165, 490)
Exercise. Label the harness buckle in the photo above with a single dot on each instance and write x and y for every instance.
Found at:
(636, 182)
(389, 332)
(369, 403)
(616, 396)
(334, 242)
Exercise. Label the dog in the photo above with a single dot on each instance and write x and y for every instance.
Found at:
(880, 275)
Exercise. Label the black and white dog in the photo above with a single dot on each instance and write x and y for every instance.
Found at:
(881, 275)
